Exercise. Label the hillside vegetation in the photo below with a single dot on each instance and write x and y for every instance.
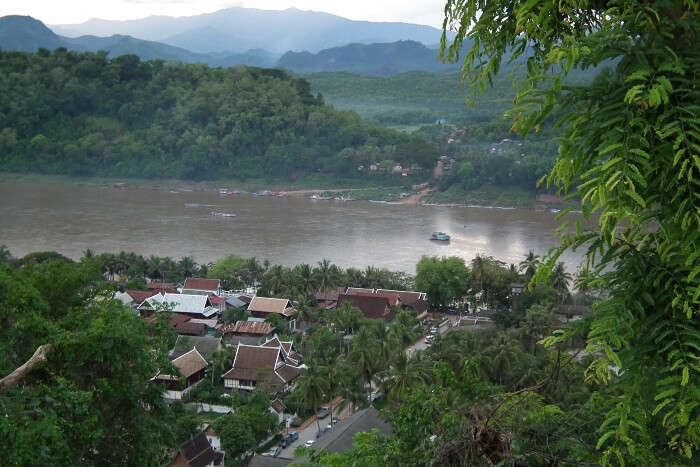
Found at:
(83, 114)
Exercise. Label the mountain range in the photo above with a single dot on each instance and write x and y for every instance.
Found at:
(380, 59)
(240, 29)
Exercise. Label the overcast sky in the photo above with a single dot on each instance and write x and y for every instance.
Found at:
(77, 11)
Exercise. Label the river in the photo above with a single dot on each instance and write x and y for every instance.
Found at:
(70, 218)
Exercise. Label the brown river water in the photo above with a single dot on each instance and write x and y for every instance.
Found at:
(69, 219)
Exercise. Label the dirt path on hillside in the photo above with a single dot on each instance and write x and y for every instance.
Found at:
(415, 198)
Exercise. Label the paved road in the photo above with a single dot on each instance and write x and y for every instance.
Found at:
(310, 432)
(420, 343)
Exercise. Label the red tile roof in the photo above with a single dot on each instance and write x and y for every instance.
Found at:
(216, 300)
(393, 298)
(372, 306)
(140, 295)
(202, 284)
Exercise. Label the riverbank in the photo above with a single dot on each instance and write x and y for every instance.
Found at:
(395, 190)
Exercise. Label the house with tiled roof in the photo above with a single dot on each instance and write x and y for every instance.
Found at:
(287, 347)
(407, 298)
(205, 345)
(192, 367)
(197, 286)
(257, 364)
(262, 307)
(247, 332)
(194, 306)
(198, 452)
(372, 306)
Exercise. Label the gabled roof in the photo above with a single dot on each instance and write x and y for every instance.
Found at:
(182, 303)
(202, 284)
(408, 297)
(190, 363)
(248, 327)
(391, 297)
(356, 290)
(138, 296)
(206, 346)
(372, 306)
(259, 363)
(275, 342)
(329, 295)
(197, 452)
(269, 305)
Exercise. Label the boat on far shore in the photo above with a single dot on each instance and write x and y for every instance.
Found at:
(223, 214)
(440, 237)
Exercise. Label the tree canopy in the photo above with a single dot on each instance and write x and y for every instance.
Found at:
(629, 152)
(84, 114)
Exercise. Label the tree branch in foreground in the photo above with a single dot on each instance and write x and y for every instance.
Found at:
(14, 377)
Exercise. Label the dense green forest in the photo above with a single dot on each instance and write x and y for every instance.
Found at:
(84, 114)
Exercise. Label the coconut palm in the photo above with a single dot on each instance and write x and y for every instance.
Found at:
(530, 264)
(325, 275)
(401, 374)
(363, 357)
(274, 279)
(559, 279)
(304, 279)
(187, 266)
(313, 384)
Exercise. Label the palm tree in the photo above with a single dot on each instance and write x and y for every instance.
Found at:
(501, 354)
(560, 279)
(363, 357)
(275, 279)
(187, 266)
(313, 384)
(530, 265)
(400, 375)
(324, 275)
(304, 309)
(305, 279)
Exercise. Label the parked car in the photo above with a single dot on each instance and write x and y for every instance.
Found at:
(434, 330)
(323, 412)
(274, 452)
(428, 339)
(309, 443)
(293, 435)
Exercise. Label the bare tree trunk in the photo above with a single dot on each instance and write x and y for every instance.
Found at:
(36, 359)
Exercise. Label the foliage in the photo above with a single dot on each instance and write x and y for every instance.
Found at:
(72, 113)
(242, 430)
(86, 404)
(444, 279)
(629, 152)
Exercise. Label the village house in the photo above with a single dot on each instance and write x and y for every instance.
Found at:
(198, 452)
(237, 301)
(372, 306)
(254, 365)
(328, 298)
(196, 286)
(183, 325)
(192, 367)
(247, 332)
(262, 307)
(205, 345)
(194, 306)
(417, 301)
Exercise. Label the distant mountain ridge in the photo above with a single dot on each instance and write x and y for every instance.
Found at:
(239, 29)
(382, 59)
(27, 34)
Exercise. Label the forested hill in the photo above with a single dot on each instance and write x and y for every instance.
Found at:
(83, 114)
(370, 59)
